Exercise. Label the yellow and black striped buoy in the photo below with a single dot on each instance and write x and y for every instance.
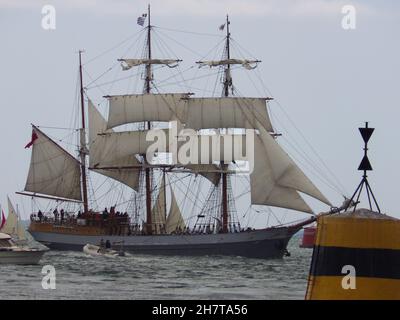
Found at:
(357, 252)
(356, 256)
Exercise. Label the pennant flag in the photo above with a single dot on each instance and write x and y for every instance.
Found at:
(3, 220)
(221, 27)
(33, 139)
(141, 19)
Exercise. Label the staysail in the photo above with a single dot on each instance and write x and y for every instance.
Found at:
(53, 171)
(276, 179)
(163, 223)
(175, 220)
(159, 211)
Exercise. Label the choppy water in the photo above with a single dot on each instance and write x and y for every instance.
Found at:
(79, 276)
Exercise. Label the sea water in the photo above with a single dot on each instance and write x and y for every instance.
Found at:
(79, 276)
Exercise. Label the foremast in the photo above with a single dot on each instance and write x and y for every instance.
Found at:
(147, 89)
(83, 149)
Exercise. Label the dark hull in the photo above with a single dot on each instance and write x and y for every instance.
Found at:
(266, 249)
(263, 244)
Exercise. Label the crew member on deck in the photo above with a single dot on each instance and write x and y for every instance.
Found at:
(108, 244)
(62, 215)
(55, 212)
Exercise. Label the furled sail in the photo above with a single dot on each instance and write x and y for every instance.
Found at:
(175, 220)
(53, 171)
(127, 64)
(101, 153)
(227, 112)
(248, 64)
(146, 107)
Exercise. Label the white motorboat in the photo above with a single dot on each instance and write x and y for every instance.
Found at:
(94, 250)
(11, 253)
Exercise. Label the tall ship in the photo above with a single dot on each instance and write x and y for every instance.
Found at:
(158, 203)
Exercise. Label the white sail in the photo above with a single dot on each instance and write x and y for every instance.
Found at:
(286, 172)
(265, 190)
(227, 112)
(127, 64)
(175, 220)
(12, 226)
(158, 213)
(113, 146)
(98, 153)
(21, 233)
(145, 107)
(53, 171)
(196, 148)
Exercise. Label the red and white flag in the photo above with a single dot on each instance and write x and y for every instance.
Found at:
(33, 139)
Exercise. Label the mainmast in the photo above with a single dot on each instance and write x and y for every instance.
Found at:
(224, 175)
(148, 65)
(82, 150)
(228, 78)
(149, 222)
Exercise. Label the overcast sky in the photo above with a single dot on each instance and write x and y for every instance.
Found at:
(327, 79)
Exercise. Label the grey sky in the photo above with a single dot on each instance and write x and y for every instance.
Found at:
(329, 80)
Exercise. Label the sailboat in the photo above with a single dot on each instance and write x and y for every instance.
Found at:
(56, 175)
(15, 245)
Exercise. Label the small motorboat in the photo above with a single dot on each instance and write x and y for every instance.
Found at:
(94, 250)
(11, 253)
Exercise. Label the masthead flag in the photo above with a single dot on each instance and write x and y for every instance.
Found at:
(141, 19)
